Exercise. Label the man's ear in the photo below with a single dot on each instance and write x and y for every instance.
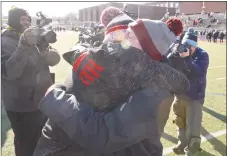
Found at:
(74, 53)
(69, 57)
(97, 54)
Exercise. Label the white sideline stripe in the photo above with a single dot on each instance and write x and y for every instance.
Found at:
(221, 78)
(205, 138)
(216, 67)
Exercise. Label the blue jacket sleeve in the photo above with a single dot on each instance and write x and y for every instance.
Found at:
(106, 132)
(198, 68)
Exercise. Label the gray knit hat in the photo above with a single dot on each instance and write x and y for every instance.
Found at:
(154, 37)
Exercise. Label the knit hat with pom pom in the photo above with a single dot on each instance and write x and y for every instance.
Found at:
(112, 16)
(154, 36)
(116, 22)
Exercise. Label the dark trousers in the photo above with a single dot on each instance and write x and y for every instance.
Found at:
(27, 127)
(215, 40)
(209, 39)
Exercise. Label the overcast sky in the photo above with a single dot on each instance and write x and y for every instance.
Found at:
(49, 8)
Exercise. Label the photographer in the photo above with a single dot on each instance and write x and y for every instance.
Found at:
(25, 78)
(188, 107)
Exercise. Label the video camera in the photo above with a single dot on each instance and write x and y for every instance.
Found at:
(46, 35)
(176, 48)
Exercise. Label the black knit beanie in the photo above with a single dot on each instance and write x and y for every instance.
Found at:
(14, 18)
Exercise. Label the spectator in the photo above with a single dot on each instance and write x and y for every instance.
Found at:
(200, 20)
(25, 79)
(166, 17)
(196, 33)
(221, 37)
(194, 23)
(215, 36)
(209, 36)
(201, 35)
(204, 35)
(208, 14)
(208, 26)
(217, 22)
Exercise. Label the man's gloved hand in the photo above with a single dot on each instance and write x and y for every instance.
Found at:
(29, 37)
(59, 86)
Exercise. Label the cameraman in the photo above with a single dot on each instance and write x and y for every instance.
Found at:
(188, 107)
(25, 79)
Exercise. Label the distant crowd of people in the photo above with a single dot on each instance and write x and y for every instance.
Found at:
(59, 29)
(198, 20)
(213, 35)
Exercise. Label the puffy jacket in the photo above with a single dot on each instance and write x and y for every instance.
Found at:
(25, 73)
(197, 66)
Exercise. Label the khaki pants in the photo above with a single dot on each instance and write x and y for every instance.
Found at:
(188, 118)
(163, 113)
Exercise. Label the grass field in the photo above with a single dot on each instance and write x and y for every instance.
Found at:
(214, 110)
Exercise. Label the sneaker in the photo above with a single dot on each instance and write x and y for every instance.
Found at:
(191, 153)
(179, 149)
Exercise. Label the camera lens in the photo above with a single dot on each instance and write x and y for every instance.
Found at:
(182, 48)
(50, 37)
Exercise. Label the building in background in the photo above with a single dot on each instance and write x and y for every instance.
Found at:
(154, 10)
(143, 10)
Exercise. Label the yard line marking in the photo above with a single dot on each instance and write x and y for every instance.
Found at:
(221, 78)
(213, 67)
(205, 138)
(218, 94)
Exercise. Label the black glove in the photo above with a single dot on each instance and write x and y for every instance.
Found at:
(59, 86)
(176, 62)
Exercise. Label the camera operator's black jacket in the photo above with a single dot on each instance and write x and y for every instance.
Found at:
(25, 73)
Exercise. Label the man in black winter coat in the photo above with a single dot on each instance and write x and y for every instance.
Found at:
(25, 78)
